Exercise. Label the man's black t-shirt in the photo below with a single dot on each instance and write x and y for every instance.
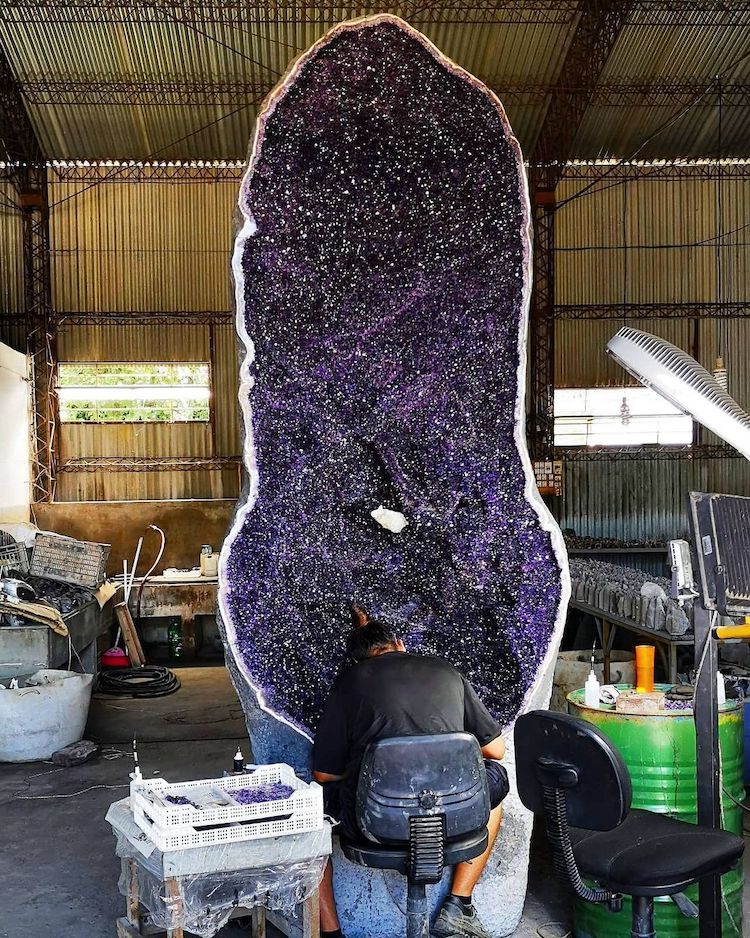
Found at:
(395, 694)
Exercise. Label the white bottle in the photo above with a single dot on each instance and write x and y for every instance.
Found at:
(721, 692)
(591, 690)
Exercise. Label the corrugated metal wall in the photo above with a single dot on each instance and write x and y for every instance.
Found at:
(11, 268)
(162, 244)
(152, 246)
(649, 241)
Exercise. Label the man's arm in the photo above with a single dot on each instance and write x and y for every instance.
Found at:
(494, 749)
(331, 748)
(479, 721)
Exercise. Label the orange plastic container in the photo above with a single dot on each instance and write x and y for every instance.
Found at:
(644, 668)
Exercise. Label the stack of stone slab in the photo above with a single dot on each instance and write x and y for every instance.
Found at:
(631, 594)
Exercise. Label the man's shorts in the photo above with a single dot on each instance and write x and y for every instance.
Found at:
(497, 781)
(339, 798)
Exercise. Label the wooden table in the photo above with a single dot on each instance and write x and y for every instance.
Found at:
(174, 866)
(666, 644)
(132, 926)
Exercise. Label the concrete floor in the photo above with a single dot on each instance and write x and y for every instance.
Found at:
(58, 871)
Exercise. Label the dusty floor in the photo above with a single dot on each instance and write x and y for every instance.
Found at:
(58, 872)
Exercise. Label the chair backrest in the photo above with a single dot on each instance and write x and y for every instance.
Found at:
(422, 776)
(558, 750)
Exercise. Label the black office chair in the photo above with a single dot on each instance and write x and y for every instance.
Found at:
(569, 771)
(422, 805)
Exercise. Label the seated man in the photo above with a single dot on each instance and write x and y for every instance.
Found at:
(388, 693)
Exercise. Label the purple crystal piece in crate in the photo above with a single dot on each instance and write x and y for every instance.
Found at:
(382, 279)
(259, 794)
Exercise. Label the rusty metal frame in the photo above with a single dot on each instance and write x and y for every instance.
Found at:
(104, 174)
(28, 172)
(314, 12)
(649, 453)
(672, 170)
(646, 311)
(599, 25)
(144, 318)
(149, 463)
(189, 91)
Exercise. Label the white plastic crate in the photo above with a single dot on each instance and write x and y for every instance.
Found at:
(219, 819)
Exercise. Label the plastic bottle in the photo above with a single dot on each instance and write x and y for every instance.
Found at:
(591, 690)
(721, 691)
(239, 766)
(174, 640)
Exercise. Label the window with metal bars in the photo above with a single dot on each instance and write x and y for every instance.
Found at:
(620, 416)
(134, 392)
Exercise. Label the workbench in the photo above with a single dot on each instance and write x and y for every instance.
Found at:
(290, 864)
(32, 645)
(666, 644)
(184, 598)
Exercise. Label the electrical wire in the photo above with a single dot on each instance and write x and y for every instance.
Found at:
(153, 527)
(72, 794)
(117, 170)
(662, 127)
(219, 42)
(149, 681)
(738, 803)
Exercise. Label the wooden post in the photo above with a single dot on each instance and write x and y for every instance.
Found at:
(134, 911)
(258, 926)
(125, 621)
(311, 916)
(174, 897)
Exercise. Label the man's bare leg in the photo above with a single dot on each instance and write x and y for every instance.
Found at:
(329, 919)
(466, 875)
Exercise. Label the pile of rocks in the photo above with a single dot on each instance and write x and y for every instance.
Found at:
(631, 594)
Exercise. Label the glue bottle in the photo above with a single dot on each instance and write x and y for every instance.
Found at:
(591, 690)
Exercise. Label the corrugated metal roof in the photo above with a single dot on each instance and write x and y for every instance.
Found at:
(142, 80)
(156, 55)
(667, 54)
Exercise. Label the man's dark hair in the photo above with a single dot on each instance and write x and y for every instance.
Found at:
(362, 641)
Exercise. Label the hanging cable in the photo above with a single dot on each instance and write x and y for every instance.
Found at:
(662, 127)
(115, 171)
(153, 527)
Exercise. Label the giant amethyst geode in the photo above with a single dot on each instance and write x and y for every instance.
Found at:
(382, 277)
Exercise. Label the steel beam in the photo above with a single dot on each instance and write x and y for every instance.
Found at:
(599, 25)
(133, 171)
(664, 170)
(144, 318)
(645, 453)
(648, 311)
(26, 160)
(149, 463)
(61, 91)
(244, 13)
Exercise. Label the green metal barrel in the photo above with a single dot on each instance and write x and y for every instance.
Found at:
(659, 751)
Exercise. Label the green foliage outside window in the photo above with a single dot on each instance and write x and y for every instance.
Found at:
(133, 392)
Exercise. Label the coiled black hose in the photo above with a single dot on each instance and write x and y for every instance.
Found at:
(148, 681)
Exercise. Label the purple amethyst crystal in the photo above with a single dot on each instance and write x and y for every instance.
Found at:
(259, 794)
(382, 284)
